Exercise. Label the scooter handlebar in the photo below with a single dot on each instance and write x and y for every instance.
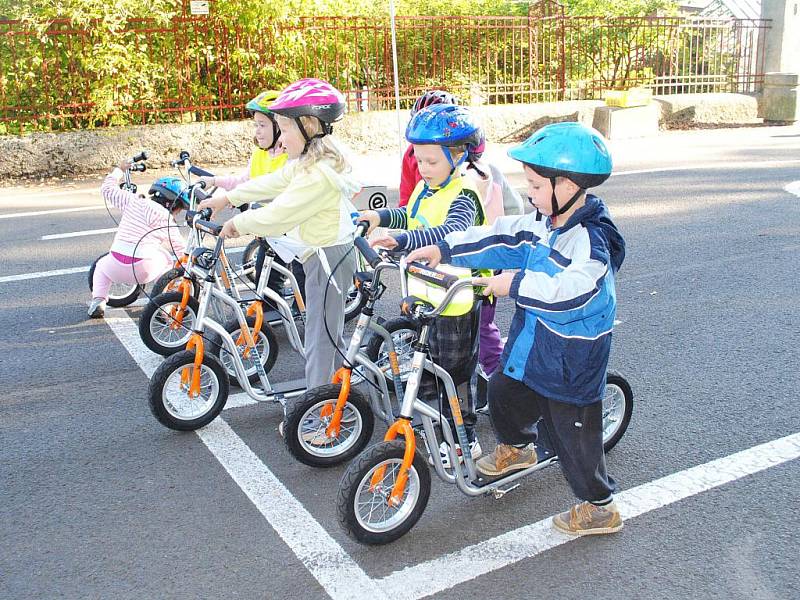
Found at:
(372, 258)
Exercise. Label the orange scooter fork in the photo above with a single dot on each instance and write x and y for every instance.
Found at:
(177, 312)
(245, 337)
(401, 426)
(342, 376)
(196, 343)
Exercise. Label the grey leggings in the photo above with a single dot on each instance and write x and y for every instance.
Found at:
(576, 433)
(326, 309)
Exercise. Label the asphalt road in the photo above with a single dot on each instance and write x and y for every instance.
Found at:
(97, 499)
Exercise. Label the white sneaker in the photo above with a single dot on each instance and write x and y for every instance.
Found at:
(97, 308)
(444, 452)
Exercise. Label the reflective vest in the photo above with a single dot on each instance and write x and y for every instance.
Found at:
(262, 163)
(424, 213)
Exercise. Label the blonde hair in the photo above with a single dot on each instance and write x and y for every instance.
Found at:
(324, 148)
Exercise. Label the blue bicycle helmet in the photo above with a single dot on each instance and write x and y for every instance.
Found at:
(170, 192)
(571, 150)
(445, 125)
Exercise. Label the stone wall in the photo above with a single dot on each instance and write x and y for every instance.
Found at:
(94, 151)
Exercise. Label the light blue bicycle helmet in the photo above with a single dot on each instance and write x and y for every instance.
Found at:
(445, 125)
(571, 150)
(170, 192)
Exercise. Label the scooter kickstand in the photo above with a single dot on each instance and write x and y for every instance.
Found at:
(500, 492)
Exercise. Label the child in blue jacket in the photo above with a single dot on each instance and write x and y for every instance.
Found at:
(554, 363)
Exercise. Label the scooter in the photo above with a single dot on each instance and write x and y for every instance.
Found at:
(385, 490)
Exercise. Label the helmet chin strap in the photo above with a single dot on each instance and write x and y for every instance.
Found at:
(326, 129)
(560, 211)
(453, 166)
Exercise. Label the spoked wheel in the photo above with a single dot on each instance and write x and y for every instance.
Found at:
(307, 421)
(364, 510)
(159, 327)
(266, 344)
(169, 393)
(120, 294)
(355, 298)
(404, 332)
(249, 260)
(169, 282)
(617, 409)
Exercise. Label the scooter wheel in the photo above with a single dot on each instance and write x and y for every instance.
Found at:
(159, 330)
(304, 429)
(169, 397)
(266, 343)
(120, 294)
(617, 409)
(404, 332)
(169, 281)
(364, 510)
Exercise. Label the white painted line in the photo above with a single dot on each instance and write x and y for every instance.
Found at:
(326, 560)
(95, 191)
(60, 236)
(726, 165)
(24, 276)
(341, 576)
(50, 212)
(793, 188)
(525, 542)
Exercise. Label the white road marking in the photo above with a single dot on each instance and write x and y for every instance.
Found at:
(50, 212)
(24, 276)
(72, 270)
(343, 578)
(525, 542)
(727, 165)
(72, 234)
(325, 559)
(793, 188)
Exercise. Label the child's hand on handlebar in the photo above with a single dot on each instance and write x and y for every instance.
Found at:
(229, 230)
(384, 241)
(429, 254)
(215, 204)
(208, 181)
(497, 285)
(372, 217)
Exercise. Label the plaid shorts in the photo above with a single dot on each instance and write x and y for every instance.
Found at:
(454, 347)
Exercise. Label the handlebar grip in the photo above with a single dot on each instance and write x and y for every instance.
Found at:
(431, 275)
(140, 157)
(198, 171)
(204, 214)
(364, 225)
(372, 258)
(200, 195)
(208, 227)
(184, 155)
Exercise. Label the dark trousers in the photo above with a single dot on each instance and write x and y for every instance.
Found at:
(576, 433)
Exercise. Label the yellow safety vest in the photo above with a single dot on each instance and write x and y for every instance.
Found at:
(262, 163)
(424, 213)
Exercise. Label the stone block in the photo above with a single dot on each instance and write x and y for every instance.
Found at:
(781, 97)
(624, 123)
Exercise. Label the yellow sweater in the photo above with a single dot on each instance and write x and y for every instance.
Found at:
(310, 205)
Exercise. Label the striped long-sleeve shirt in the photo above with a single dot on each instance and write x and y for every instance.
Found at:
(140, 216)
(463, 213)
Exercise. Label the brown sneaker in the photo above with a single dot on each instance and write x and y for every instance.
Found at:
(505, 458)
(587, 519)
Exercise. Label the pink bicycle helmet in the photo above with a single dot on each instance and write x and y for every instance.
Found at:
(311, 98)
(433, 97)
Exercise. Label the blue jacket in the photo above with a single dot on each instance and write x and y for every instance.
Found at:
(560, 337)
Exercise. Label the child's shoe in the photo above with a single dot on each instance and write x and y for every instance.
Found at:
(588, 519)
(97, 308)
(505, 458)
(444, 452)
